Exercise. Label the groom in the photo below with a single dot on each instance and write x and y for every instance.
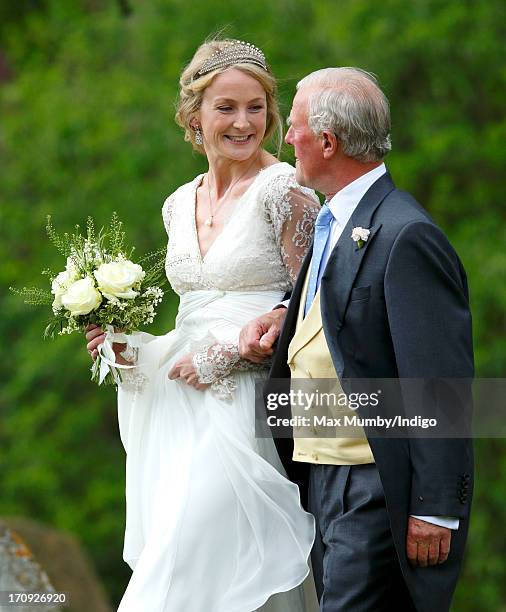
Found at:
(391, 302)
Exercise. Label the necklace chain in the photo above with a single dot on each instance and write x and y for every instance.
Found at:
(209, 220)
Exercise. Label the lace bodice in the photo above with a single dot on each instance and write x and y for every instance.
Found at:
(260, 248)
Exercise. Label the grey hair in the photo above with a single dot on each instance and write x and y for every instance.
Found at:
(349, 103)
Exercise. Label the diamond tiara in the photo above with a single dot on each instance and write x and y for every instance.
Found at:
(237, 52)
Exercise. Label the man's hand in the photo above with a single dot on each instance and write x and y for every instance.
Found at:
(427, 544)
(185, 370)
(258, 336)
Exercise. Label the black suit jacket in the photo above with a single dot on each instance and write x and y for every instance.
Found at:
(398, 308)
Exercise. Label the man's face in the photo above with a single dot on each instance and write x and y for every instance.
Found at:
(307, 146)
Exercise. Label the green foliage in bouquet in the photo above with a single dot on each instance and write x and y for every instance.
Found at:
(130, 292)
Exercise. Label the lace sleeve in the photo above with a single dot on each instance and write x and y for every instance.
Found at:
(132, 378)
(291, 210)
(167, 212)
(130, 355)
(216, 362)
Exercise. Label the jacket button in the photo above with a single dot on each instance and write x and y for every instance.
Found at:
(420, 498)
(467, 476)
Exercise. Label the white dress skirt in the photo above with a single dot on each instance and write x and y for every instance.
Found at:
(212, 523)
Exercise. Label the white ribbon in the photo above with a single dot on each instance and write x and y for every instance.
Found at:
(108, 356)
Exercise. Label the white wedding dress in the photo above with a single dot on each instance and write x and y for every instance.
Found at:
(212, 524)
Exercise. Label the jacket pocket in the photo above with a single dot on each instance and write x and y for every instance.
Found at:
(359, 294)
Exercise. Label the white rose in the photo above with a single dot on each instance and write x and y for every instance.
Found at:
(61, 283)
(81, 297)
(116, 279)
(359, 233)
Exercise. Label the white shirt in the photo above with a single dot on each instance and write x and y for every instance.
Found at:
(342, 206)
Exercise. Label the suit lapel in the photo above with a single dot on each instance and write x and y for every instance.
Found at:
(346, 258)
(338, 278)
(341, 270)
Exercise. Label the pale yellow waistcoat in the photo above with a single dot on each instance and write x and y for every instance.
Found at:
(309, 357)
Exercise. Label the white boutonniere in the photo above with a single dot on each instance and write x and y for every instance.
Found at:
(360, 235)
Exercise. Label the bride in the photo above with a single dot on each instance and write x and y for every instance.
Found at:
(212, 523)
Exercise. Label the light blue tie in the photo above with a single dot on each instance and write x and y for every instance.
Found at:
(321, 236)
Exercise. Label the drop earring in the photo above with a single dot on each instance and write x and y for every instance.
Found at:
(198, 136)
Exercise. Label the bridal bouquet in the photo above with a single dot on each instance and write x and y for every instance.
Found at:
(100, 285)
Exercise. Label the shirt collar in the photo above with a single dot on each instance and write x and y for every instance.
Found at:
(345, 201)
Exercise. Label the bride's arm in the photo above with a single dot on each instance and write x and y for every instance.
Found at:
(218, 360)
(293, 218)
(292, 211)
(212, 367)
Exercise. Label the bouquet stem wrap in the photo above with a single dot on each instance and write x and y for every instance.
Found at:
(106, 361)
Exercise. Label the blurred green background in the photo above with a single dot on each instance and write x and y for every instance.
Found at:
(87, 91)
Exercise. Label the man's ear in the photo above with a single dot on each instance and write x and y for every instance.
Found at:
(330, 144)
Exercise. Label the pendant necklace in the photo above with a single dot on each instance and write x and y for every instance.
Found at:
(212, 214)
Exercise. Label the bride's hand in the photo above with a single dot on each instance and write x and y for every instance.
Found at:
(185, 370)
(95, 336)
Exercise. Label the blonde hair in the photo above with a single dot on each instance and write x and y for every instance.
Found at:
(192, 87)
